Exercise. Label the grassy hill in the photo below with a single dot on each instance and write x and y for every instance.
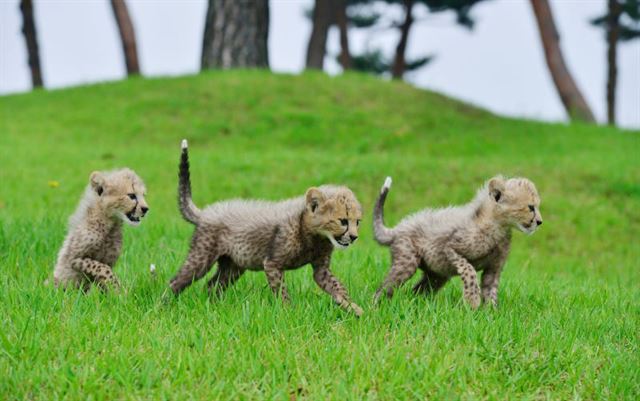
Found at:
(568, 322)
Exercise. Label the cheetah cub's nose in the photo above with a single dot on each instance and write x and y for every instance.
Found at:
(353, 237)
(144, 210)
(539, 222)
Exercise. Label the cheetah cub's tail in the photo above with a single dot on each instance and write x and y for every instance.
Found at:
(382, 234)
(189, 210)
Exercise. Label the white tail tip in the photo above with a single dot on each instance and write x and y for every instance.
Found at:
(184, 144)
(387, 183)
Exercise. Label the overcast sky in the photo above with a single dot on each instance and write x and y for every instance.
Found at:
(498, 65)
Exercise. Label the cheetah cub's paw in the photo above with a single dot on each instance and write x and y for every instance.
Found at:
(473, 301)
(356, 309)
(352, 307)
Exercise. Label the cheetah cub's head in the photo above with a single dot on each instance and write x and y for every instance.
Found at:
(516, 203)
(120, 193)
(333, 212)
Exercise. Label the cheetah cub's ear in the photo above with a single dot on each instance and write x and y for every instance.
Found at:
(496, 187)
(314, 198)
(97, 182)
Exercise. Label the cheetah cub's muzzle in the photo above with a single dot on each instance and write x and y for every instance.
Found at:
(137, 212)
(342, 241)
(134, 216)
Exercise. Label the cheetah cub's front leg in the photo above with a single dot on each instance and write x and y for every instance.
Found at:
(330, 284)
(468, 275)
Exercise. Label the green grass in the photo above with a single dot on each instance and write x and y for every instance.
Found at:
(568, 322)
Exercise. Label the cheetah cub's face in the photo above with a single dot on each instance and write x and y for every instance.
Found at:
(336, 217)
(517, 203)
(120, 194)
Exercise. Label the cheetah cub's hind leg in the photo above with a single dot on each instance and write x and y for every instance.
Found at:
(199, 261)
(100, 273)
(430, 283)
(404, 265)
(491, 277)
(227, 275)
(275, 278)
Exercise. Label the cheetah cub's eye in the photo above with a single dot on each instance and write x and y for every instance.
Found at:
(132, 196)
(344, 222)
(358, 222)
(532, 208)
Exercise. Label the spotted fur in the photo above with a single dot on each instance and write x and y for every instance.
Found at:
(94, 239)
(243, 235)
(459, 240)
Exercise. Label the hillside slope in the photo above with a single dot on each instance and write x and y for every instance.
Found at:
(568, 321)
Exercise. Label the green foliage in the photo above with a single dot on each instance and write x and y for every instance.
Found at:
(371, 61)
(364, 20)
(375, 62)
(361, 14)
(418, 63)
(461, 8)
(362, 10)
(567, 326)
(629, 20)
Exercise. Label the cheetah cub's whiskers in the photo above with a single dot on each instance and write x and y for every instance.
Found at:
(243, 235)
(459, 240)
(94, 237)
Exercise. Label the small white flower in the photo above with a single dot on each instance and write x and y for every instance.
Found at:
(152, 269)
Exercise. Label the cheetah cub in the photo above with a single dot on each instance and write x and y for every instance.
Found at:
(94, 238)
(271, 236)
(459, 240)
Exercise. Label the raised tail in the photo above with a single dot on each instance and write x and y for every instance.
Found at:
(382, 234)
(189, 210)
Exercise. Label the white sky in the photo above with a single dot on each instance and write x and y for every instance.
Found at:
(499, 65)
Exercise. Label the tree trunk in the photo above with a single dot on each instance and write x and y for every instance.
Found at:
(613, 34)
(236, 34)
(127, 36)
(570, 94)
(399, 62)
(341, 21)
(316, 49)
(29, 31)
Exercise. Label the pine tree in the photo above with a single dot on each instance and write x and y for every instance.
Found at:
(622, 24)
(31, 39)
(572, 99)
(374, 60)
(127, 36)
(235, 34)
